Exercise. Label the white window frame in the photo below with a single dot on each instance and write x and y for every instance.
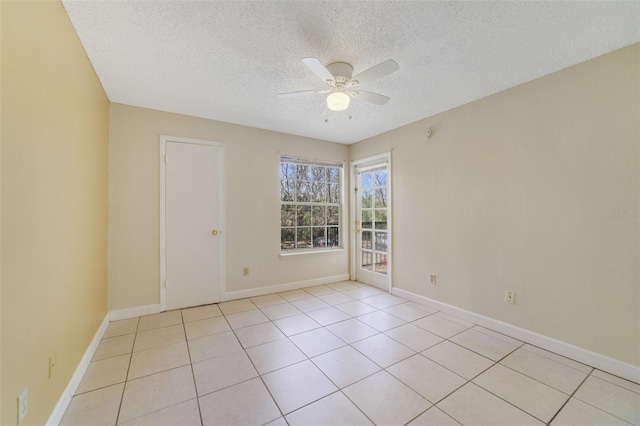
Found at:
(340, 165)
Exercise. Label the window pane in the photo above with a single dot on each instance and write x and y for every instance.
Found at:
(287, 171)
(366, 199)
(366, 219)
(304, 238)
(319, 237)
(303, 172)
(287, 190)
(318, 174)
(333, 215)
(333, 236)
(287, 215)
(318, 192)
(287, 238)
(333, 174)
(319, 216)
(303, 191)
(304, 216)
(381, 197)
(381, 241)
(367, 260)
(333, 196)
(381, 219)
(381, 178)
(381, 263)
(366, 180)
(366, 240)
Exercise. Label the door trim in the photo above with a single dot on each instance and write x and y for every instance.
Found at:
(163, 248)
(380, 158)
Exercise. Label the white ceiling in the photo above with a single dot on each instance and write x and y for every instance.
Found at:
(228, 60)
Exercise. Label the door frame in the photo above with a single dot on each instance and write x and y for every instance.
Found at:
(163, 179)
(376, 159)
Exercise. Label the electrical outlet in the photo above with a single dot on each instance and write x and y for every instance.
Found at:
(245, 271)
(22, 405)
(432, 278)
(52, 364)
(510, 297)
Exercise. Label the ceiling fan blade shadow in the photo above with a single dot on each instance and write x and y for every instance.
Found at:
(300, 93)
(377, 71)
(372, 98)
(319, 69)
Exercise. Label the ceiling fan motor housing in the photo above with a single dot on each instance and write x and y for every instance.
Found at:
(341, 71)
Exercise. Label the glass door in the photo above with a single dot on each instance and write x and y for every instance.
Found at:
(371, 224)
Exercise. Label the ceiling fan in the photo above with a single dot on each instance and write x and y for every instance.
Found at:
(342, 86)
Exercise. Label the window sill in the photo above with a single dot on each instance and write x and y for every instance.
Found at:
(284, 255)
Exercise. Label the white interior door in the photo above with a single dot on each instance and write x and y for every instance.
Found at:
(193, 240)
(372, 223)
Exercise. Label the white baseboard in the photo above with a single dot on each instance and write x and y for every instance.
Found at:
(261, 291)
(65, 399)
(138, 311)
(599, 361)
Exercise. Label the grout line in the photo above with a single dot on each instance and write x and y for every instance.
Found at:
(193, 374)
(126, 377)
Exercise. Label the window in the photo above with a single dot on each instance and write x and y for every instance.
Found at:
(310, 203)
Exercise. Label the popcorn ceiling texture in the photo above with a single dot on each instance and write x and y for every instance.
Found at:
(228, 60)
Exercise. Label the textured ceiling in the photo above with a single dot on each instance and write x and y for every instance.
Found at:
(228, 60)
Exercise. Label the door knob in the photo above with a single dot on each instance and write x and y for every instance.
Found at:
(214, 232)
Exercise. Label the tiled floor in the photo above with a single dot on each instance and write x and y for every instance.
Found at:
(330, 355)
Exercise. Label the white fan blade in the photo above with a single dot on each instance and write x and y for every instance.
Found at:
(372, 98)
(319, 69)
(378, 71)
(301, 93)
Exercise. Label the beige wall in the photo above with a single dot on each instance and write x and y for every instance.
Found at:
(54, 204)
(252, 206)
(511, 192)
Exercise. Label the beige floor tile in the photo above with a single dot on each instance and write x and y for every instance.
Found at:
(577, 413)
(310, 304)
(439, 326)
(236, 306)
(383, 301)
(336, 298)
(383, 350)
(246, 318)
(206, 327)
(316, 342)
(632, 386)
(329, 315)
(213, 346)
(537, 399)
(423, 308)
(259, 334)
(156, 392)
(461, 361)
(558, 358)
(609, 397)
(283, 310)
(385, 400)
(247, 403)
(345, 366)
(99, 407)
(200, 313)
(267, 300)
(499, 336)
(159, 359)
(424, 376)
(545, 370)
(114, 346)
(484, 344)
(345, 285)
(163, 319)
(381, 321)
(319, 290)
(351, 330)
(455, 319)
(183, 414)
(406, 312)
(275, 355)
(335, 409)
(217, 373)
(278, 422)
(296, 324)
(297, 385)
(356, 308)
(293, 295)
(433, 417)
(472, 405)
(159, 337)
(104, 373)
(363, 292)
(413, 337)
(118, 328)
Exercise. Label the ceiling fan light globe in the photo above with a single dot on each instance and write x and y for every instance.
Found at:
(338, 101)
